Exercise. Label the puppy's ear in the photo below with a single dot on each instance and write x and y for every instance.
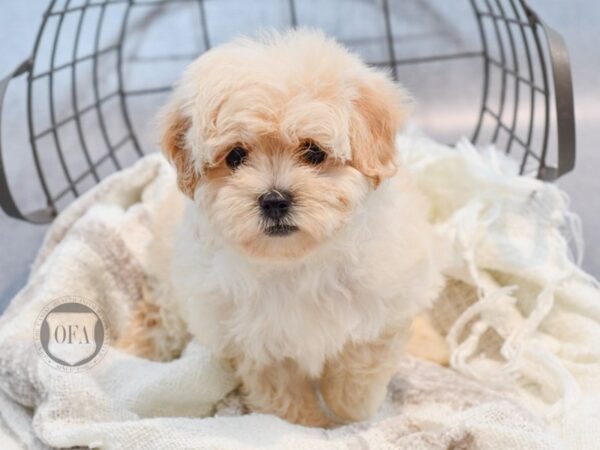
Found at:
(378, 113)
(173, 143)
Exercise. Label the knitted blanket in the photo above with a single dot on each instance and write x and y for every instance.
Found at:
(521, 321)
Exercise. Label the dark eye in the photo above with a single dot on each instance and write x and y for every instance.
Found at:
(236, 157)
(313, 154)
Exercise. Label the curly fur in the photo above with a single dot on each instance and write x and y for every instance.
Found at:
(330, 304)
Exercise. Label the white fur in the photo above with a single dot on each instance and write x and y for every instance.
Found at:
(375, 273)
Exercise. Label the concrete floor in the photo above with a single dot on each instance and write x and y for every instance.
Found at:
(447, 104)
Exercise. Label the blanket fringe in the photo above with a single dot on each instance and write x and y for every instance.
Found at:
(521, 346)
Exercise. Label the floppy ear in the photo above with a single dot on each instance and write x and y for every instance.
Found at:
(378, 114)
(173, 143)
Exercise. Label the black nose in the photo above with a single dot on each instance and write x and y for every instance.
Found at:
(275, 204)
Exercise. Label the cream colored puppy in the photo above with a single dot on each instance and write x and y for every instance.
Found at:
(305, 251)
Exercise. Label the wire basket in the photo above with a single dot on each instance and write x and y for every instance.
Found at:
(99, 70)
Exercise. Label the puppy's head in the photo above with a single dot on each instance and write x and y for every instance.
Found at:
(279, 141)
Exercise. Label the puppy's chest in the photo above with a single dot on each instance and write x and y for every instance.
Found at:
(306, 315)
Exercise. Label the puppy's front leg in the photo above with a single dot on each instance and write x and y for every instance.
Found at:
(354, 384)
(281, 389)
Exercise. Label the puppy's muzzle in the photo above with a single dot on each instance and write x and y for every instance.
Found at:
(275, 205)
(275, 208)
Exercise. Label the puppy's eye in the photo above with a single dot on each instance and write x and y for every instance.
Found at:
(313, 154)
(236, 157)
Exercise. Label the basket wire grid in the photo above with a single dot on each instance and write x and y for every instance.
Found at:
(82, 85)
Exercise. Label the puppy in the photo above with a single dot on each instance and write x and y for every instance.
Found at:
(305, 251)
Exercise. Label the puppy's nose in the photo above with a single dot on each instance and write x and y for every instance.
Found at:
(275, 204)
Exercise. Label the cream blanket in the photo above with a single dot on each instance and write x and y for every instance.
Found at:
(521, 320)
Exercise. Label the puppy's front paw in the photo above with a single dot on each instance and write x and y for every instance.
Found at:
(351, 399)
(354, 384)
(280, 389)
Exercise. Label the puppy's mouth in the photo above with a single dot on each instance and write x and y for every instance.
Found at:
(280, 229)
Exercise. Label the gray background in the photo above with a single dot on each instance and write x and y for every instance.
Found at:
(447, 102)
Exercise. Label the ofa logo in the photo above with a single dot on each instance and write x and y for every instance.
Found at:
(71, 334)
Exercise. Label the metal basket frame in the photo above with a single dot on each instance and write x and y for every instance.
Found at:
(548, 52)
